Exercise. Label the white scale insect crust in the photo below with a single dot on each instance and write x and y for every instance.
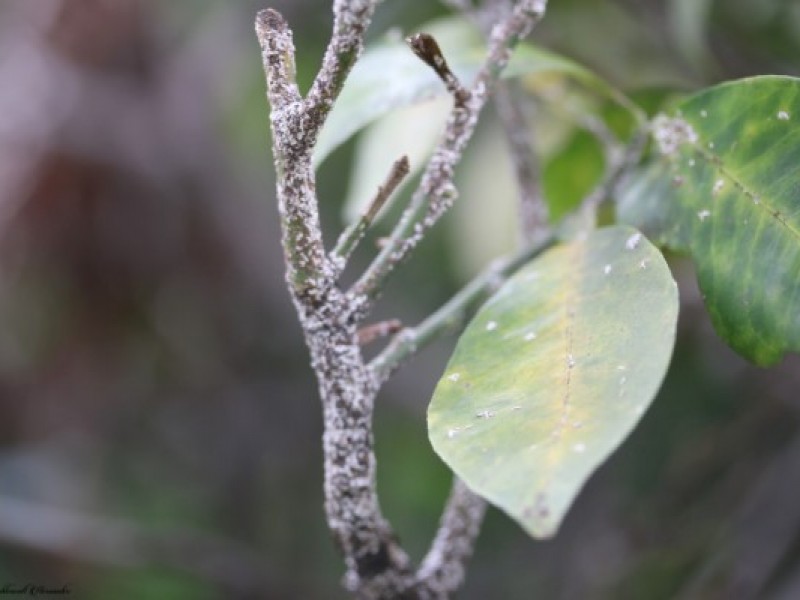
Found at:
(670, 133)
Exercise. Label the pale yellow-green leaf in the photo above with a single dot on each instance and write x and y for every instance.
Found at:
(553, 373)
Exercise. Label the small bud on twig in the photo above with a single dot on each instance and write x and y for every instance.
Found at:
(376, 331)
(427, 49)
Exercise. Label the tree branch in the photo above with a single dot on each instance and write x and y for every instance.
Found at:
(354, 233)
(532, 208)
(437, 192)
(308, 270)
(442, 570)
(350, 20)
(376, 565)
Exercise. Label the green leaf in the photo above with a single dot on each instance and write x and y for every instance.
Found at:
(571, 174)
(553, 373)
(389, 76)
(725, 188)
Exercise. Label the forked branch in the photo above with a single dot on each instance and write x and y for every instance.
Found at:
(376, 565)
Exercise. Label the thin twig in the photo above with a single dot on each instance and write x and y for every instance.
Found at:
(377, 331)
(619, 160)
(354, 233)
(598, 128)
(350, 20)
(519, 133)
(453, 314)
(442, 570)
(437, 192)
(532, 208)
(427, 49)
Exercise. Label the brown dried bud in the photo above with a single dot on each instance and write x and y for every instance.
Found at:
(426, 48)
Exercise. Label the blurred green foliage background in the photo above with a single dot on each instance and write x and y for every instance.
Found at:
(159, 424)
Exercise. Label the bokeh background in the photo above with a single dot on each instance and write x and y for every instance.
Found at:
(159, 424)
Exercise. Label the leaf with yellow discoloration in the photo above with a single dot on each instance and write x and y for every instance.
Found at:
(553, 373)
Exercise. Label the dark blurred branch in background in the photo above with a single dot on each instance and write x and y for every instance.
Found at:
(519, 134)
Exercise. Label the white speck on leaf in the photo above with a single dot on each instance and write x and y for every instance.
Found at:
(607, 269)
(643, 264)
(703, 214)
(570, 361)
(718, 184)
(579, 448)
(621, 367)
(530, 336)
(454, 376)
(691, 162)
(491, 326)
(704, 113)
(484, 414)
(783, 115)
(633, 242)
